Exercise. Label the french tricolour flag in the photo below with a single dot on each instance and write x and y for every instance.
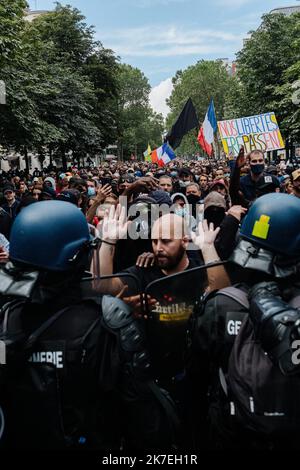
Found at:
(209, 127)
(163, 155)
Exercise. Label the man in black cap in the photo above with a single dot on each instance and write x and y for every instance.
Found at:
(11, 204)
(70, 195)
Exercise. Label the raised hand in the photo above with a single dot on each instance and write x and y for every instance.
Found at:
(237, 212)
(103, 192)
(241, 159)
(205, 236)
(145, 184)
(115, 224)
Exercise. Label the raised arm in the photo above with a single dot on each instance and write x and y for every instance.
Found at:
(205, 240)
(114, 228)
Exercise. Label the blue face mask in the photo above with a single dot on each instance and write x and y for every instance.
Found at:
(257, 169)
(91, 191)
(180, 211)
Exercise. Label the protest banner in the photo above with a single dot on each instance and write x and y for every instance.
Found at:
(254, 132)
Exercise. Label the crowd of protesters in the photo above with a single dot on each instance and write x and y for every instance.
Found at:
(212, 189)
(153, 222)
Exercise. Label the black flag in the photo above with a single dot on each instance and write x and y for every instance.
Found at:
(187, 120)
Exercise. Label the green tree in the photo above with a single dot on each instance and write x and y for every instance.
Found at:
(49, 105)
(267, 69)
(61, 88)
(288, 94)
(73, 44)
(102, 70)
(201, 82)
(72, 39)
(11, 27)
(138, 124)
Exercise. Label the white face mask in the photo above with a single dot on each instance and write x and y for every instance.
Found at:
(184, 184)
(181, 211)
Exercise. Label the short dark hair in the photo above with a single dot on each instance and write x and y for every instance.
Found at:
(256, 151)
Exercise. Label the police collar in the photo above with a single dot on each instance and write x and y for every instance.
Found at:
(15, 281)
(249, 256)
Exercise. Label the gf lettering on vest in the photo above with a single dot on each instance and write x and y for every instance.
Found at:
(233, 327)
(262, 227)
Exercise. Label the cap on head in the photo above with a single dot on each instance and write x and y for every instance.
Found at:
(9, 187)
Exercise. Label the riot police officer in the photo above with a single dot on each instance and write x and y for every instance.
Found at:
(76, 374)
(241, 353)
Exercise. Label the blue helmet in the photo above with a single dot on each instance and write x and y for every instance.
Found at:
(48, 235)
(270, 236)
(273, 222)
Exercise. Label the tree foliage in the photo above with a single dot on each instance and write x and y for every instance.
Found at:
(138, 124)
(65, 91)
(268, 66)
(11, 25)
(61, 87)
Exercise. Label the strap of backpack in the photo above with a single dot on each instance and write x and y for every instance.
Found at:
(236, 294)
(37, 333)
(223, 381)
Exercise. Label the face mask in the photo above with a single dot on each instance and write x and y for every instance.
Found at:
(257, 169)
(183, 184)
(180, 211)
(214, 215)
(91, 191)
(193, 199)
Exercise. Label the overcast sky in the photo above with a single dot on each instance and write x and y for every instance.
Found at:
(162, 36)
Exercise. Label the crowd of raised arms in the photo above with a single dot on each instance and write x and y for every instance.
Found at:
(147, 307)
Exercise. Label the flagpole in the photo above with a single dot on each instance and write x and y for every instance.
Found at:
(216, 145)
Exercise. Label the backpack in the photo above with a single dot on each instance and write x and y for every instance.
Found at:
(262, 399)
(31, 373)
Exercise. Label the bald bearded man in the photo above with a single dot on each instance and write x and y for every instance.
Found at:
(170, 239)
